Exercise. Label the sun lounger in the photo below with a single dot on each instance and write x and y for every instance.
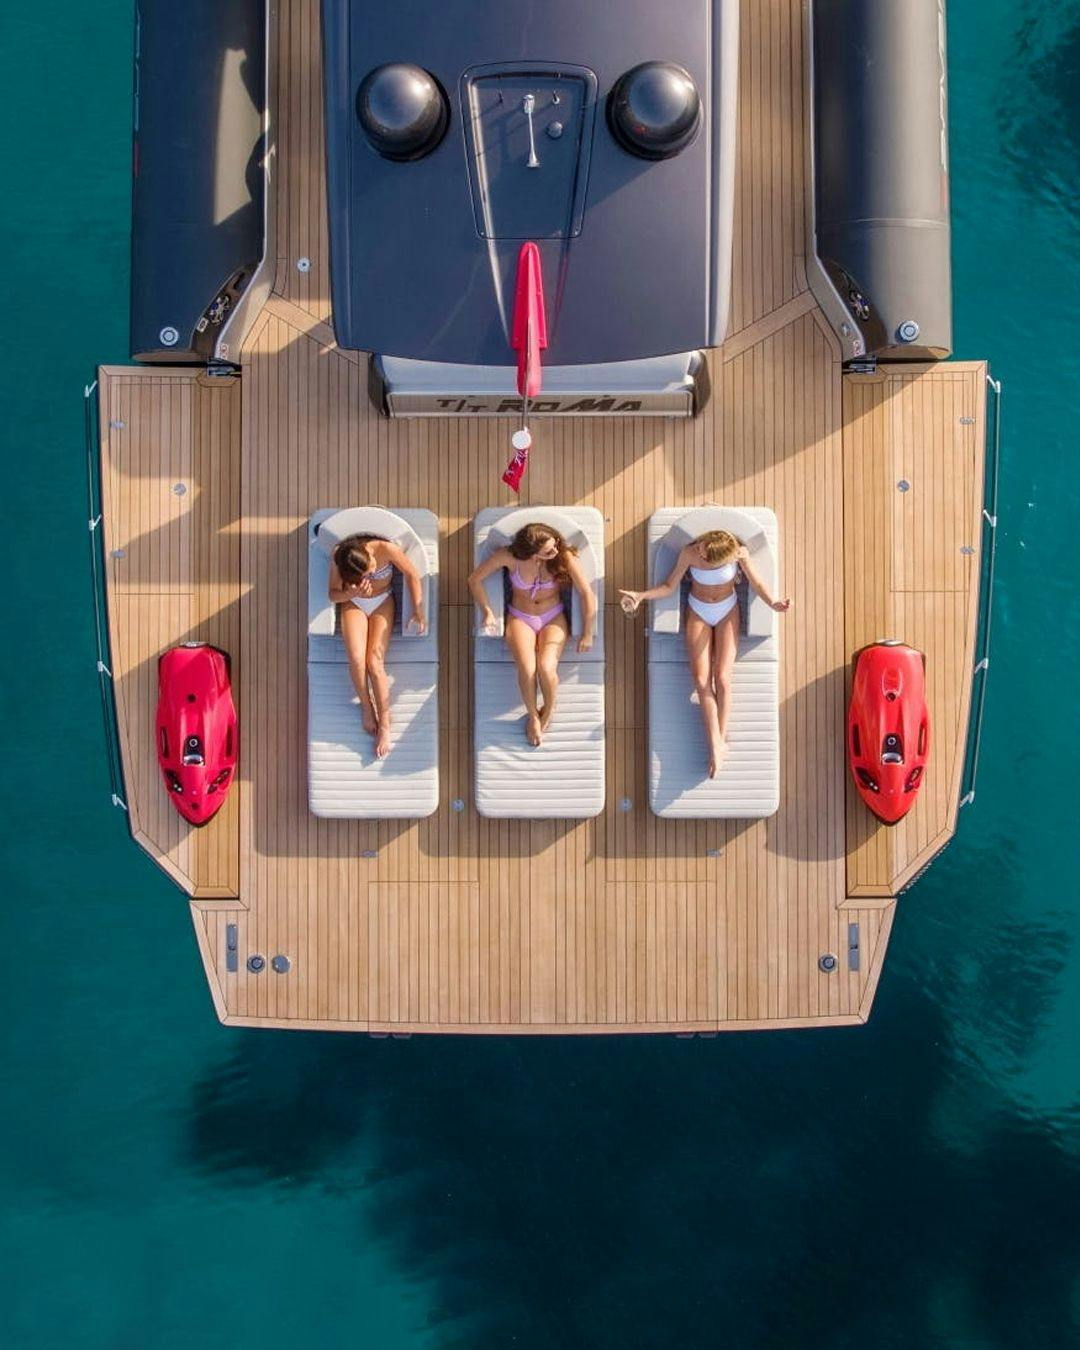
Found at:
(345, 779)
(748, 784)
(564, 777)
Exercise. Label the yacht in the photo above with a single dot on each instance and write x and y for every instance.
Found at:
(431, 271)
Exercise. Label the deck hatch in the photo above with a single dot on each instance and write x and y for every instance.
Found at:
(528, 182)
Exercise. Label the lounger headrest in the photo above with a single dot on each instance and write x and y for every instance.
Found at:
(374, 520)
(507, 526)
(701, 519)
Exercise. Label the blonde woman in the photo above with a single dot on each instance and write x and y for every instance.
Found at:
(541, 564)
(711, 624)
(361, 575)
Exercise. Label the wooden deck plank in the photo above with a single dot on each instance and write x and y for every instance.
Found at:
(170, 500)
(537, 867)
(913, 472)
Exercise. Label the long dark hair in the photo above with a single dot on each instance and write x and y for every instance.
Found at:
(353, 556)
(530, 539)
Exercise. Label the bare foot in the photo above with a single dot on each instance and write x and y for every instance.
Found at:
(716, 759)
(534, 729)
(382, 741)
(545, 717)
(367, 714)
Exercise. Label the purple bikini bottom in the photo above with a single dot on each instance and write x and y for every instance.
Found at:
(537, 621)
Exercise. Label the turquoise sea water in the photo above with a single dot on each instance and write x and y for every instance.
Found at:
(168, 1183)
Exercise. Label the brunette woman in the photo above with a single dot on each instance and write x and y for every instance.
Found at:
(541, 565)
(361, 575)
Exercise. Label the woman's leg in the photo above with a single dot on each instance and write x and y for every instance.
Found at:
(354, 633)
(550, 643)
(699, 654)
(380, 626)
(521, 640)
(725, 645)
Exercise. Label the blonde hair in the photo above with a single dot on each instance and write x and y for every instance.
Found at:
(719, 546)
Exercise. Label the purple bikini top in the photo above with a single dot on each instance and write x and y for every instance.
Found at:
(533, 587)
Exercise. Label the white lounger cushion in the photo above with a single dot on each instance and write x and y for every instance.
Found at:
(748, 784)
(345, 779)
(563, 778)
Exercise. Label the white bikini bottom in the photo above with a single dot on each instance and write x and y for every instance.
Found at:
(712, 614)
(370, 603)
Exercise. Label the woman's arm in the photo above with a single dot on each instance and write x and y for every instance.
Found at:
(758, 585)
(588, 603)
(404, 564)
(500, 558)
(668, 587)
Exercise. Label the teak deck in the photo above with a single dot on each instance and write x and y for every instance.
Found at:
(626, 922)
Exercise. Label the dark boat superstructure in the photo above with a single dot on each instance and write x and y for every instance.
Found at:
(635, 234)
(636, 248)
(880, 187)
(199, 217)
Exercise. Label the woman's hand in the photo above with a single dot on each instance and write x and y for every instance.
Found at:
(780, 605)
(489, 625)
(630, 601)
(585, 641)
(417, 625)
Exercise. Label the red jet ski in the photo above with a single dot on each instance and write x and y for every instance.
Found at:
(888, 728)
(196, 729)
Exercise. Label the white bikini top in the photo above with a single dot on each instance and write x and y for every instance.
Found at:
(715, 576)
(382, 572)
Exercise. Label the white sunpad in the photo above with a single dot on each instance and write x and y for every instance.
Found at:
(564, 777)
(345, 779)
(748, 783)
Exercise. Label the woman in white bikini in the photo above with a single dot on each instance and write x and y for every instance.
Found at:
(714, 561)
(361, 571)
(541, 564)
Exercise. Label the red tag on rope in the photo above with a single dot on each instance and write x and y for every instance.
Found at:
(516, 469)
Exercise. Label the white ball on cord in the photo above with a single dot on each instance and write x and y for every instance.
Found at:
(521, 440)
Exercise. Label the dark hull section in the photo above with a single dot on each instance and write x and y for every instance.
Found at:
(198, 197)
(881, 189)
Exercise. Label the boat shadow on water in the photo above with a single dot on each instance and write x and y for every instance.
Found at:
(744, 1182)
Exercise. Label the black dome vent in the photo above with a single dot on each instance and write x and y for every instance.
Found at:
(654, 110)
(403, 111)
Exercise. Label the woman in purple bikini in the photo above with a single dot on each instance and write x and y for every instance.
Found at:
(541, 564)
